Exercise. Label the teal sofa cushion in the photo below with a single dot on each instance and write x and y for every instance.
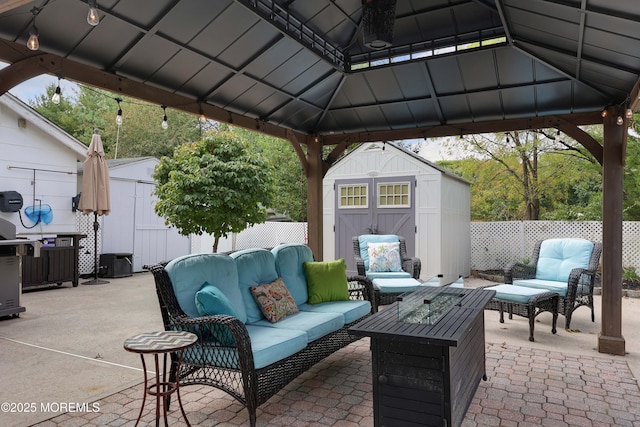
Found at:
(365, 239)
(190, 272)
(351, 310)
(289, 259)
(559, 256)
(255, 267)
(315, 325)
(517, 294)
(268, 345)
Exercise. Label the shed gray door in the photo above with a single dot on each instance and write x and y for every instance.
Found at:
(373, 206)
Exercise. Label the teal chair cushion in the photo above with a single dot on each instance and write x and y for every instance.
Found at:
(315, 325)
(559, 256)
(351, 310)
(548, 285)
(212, 301)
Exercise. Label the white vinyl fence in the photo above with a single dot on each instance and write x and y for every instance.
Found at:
(493, 244)
(266, 235)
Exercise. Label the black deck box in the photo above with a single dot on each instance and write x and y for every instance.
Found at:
(116, 265)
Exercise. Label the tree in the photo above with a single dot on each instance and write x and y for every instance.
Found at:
(521, 156)
(290, 181)
(216, 186)
(140, 133)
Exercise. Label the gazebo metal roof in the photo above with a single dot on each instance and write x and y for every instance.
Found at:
(302, 65)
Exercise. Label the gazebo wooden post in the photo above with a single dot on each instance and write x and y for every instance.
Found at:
(610, 339)
(315, 173)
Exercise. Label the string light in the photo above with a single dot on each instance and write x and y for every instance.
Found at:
(604, 113)
(119, 115)
(93, 18)
(165, 124)
(56, 95)
(619, 121)
(33, 43)
(629, 113)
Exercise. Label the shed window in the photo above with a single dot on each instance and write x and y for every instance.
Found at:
(394, 195)
(354, 196)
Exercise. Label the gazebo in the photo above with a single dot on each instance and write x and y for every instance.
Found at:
(330, 73)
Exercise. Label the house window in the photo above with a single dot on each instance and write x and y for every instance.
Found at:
(394, 195)
(353, 196)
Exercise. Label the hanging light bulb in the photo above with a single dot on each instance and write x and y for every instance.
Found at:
(56, 95)
(604, 113)
(33, 43)
(629, 113)
(165, 124)
(119, 115)
(93, 18)
(619, 121)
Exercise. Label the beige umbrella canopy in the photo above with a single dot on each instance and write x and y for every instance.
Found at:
(95, 197)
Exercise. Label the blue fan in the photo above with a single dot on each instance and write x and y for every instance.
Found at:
(42, 213)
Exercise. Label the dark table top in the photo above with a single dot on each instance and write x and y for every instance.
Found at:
(446, 331)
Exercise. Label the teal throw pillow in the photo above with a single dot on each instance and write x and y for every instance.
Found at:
(210, 300)
(326, 281)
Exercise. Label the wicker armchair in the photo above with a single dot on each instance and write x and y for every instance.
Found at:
(579, 285)
(232, 370)
(411, 265)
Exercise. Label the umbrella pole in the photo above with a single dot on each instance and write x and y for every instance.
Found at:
(95, 280)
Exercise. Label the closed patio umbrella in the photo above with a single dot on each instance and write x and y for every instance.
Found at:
(95, 197)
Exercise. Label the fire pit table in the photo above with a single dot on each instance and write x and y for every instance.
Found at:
(428, 355)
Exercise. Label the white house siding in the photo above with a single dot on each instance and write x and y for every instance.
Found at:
(38, 160)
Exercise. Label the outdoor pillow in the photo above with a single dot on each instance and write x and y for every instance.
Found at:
(211, 301)
(274, 300)
(384, 257)
(326, 281)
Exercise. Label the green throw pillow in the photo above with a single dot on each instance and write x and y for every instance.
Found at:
(326, 281)
(211, 301)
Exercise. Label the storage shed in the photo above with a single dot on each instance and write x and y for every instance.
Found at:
(132, 232)
(380, 188)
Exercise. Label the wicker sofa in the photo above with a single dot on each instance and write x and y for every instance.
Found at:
(246, 355)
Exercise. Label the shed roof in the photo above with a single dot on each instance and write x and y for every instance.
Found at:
(404, 152)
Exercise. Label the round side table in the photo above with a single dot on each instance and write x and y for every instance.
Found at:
(156, 343)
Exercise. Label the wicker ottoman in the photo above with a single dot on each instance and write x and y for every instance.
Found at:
(525, 302)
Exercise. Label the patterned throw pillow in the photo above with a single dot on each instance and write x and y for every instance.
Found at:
(274, 300)
(384, 257)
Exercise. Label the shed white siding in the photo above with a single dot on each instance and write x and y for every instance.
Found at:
(442, 205)
(38, 160)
